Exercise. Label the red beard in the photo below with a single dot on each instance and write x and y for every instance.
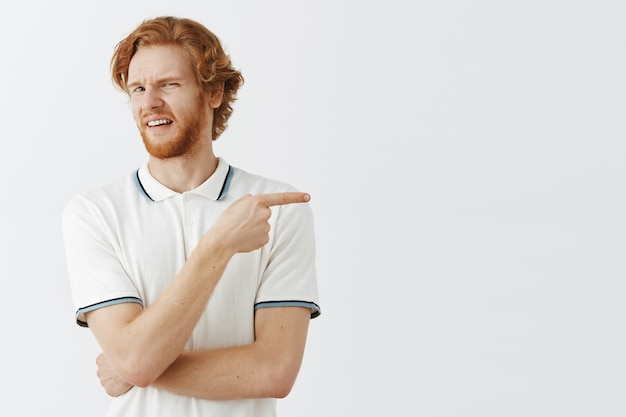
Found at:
(190, 127)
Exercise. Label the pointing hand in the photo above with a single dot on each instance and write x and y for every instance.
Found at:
(244, 226)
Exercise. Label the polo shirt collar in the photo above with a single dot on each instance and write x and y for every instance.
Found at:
(214, 188)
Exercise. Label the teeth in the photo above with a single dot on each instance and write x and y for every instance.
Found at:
(158, 122)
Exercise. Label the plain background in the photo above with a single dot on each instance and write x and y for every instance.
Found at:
(466, 161)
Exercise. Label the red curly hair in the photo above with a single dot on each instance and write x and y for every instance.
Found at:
(212, 65)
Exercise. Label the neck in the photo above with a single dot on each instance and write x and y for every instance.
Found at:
(185, 172)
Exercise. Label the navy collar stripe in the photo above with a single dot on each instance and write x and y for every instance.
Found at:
(140, 186)
(229, 176)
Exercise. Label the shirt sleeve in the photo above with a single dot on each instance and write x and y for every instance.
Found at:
(290, 278)
(96, 275)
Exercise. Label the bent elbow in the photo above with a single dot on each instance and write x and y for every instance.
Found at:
(282, 391)
(282, 382)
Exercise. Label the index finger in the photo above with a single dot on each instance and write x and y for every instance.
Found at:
(277, 199)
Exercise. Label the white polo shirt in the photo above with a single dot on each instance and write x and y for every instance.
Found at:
(126, 241)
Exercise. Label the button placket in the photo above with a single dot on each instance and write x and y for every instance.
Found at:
(188, 221)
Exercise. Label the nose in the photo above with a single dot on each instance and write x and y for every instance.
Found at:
(151, 100)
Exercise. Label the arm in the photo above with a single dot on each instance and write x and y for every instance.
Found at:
(266, 368)
(141, 344)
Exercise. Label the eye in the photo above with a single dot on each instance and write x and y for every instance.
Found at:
(136, 90)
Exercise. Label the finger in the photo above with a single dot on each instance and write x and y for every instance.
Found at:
(278, 199)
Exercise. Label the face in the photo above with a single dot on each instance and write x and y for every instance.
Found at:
(172, 113)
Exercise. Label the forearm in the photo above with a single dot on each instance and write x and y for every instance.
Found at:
(160, 333)
(223, 374)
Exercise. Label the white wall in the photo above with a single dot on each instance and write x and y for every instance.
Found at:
(466, 162)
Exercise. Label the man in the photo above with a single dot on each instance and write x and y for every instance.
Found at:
(196, 278)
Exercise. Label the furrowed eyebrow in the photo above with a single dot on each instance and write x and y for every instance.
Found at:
(159, 81)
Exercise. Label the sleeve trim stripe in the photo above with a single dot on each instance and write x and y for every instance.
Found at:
(315, 309)
(107, 303)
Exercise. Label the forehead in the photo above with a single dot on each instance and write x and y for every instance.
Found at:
(159, 61)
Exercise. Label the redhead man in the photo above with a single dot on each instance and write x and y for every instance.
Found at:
(196, 277)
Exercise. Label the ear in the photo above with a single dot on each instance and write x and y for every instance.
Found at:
(216, 95)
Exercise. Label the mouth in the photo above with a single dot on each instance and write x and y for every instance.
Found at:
(159, 122)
